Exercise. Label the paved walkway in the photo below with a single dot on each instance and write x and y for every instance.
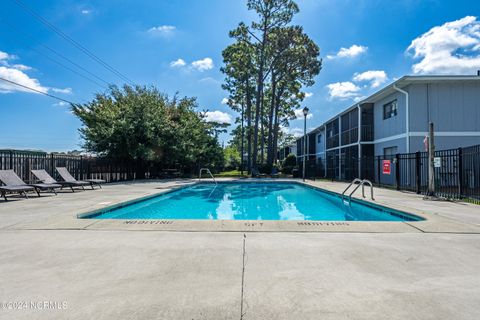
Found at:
(106, 273)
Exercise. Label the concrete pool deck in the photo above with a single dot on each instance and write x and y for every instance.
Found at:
(141, 271)
(52, 212)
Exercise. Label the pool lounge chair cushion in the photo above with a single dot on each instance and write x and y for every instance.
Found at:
(43, 176)
(15, 189)
(69, 178)
(13, 184)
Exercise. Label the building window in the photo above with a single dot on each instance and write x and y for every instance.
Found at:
(391, 151)
(390, 110)
(319, 138)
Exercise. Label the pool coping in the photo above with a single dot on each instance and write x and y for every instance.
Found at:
(409, 217)
(433, 223)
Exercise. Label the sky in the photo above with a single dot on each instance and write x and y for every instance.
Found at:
(177, 45)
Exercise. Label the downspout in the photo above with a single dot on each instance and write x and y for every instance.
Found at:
(359, 123)
(340, 147)
(325, 147)
(407, 124)
(359, 138)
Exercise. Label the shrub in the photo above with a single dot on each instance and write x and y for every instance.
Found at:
(287, 169)
(265, 168)
(290, 161)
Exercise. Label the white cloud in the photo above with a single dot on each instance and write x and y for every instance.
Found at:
(178, 63)
(203, 64)
(4, 61)
(359, 98)
(209, 81)
(224, 101)
(218, 116)
(308, 94)
(296, 132)
(343, 90)
(64, 91)
(86, 11)
(452, 48)
(352, 52)
(15, 73)
(19, 77)
(299, 114)
(200, 65)
(375, 77)
(21, 67)
(4, 56)
(60, 104)
(164, 30)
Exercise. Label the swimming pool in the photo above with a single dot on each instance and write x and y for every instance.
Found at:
(250, 201)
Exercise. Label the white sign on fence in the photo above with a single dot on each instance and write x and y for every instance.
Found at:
(437, 162)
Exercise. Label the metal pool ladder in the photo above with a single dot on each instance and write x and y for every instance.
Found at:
(207, 171)
(361, 183)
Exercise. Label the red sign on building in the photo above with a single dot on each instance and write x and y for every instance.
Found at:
(387, 167)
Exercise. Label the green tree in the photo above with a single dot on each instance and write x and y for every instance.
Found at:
(266, 69)
(295, 64)
(271, 14)
(140, 124)
(232, 158)
(239, 82)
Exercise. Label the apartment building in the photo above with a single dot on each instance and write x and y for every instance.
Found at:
(394, 120)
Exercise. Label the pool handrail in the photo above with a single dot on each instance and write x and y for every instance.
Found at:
(207, 171)
(351, 183)
(360, 183)
(366, 181)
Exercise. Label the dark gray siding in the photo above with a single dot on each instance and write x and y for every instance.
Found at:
(399, 143)
(444, 143)
(451, 106)
(392, 126)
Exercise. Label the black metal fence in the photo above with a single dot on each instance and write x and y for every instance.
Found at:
(81, 167)
(457, 171)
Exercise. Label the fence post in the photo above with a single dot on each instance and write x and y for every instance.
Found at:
(397, 171)
(89, 166)
(81, 168)
(378, 169)
(460, 172)
(26, 174)
(11, 159)
(417, 172)
(52, 165)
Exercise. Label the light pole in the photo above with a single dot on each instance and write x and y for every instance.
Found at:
(241, 155)
(305, 113)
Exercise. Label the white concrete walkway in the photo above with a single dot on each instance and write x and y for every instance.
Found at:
(110, 273)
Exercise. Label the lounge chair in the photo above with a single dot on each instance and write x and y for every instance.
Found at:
(257, 174)
(44, 177)
(274, 173)
(67, 177)
(13, 184)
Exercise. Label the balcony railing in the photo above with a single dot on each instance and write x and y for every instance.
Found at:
(350, 136)
(367, 133)
(333, 142)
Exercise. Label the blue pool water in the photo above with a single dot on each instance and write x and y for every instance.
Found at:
(251, 201)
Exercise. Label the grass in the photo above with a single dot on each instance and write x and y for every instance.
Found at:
(472, 201)
(231, 174)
